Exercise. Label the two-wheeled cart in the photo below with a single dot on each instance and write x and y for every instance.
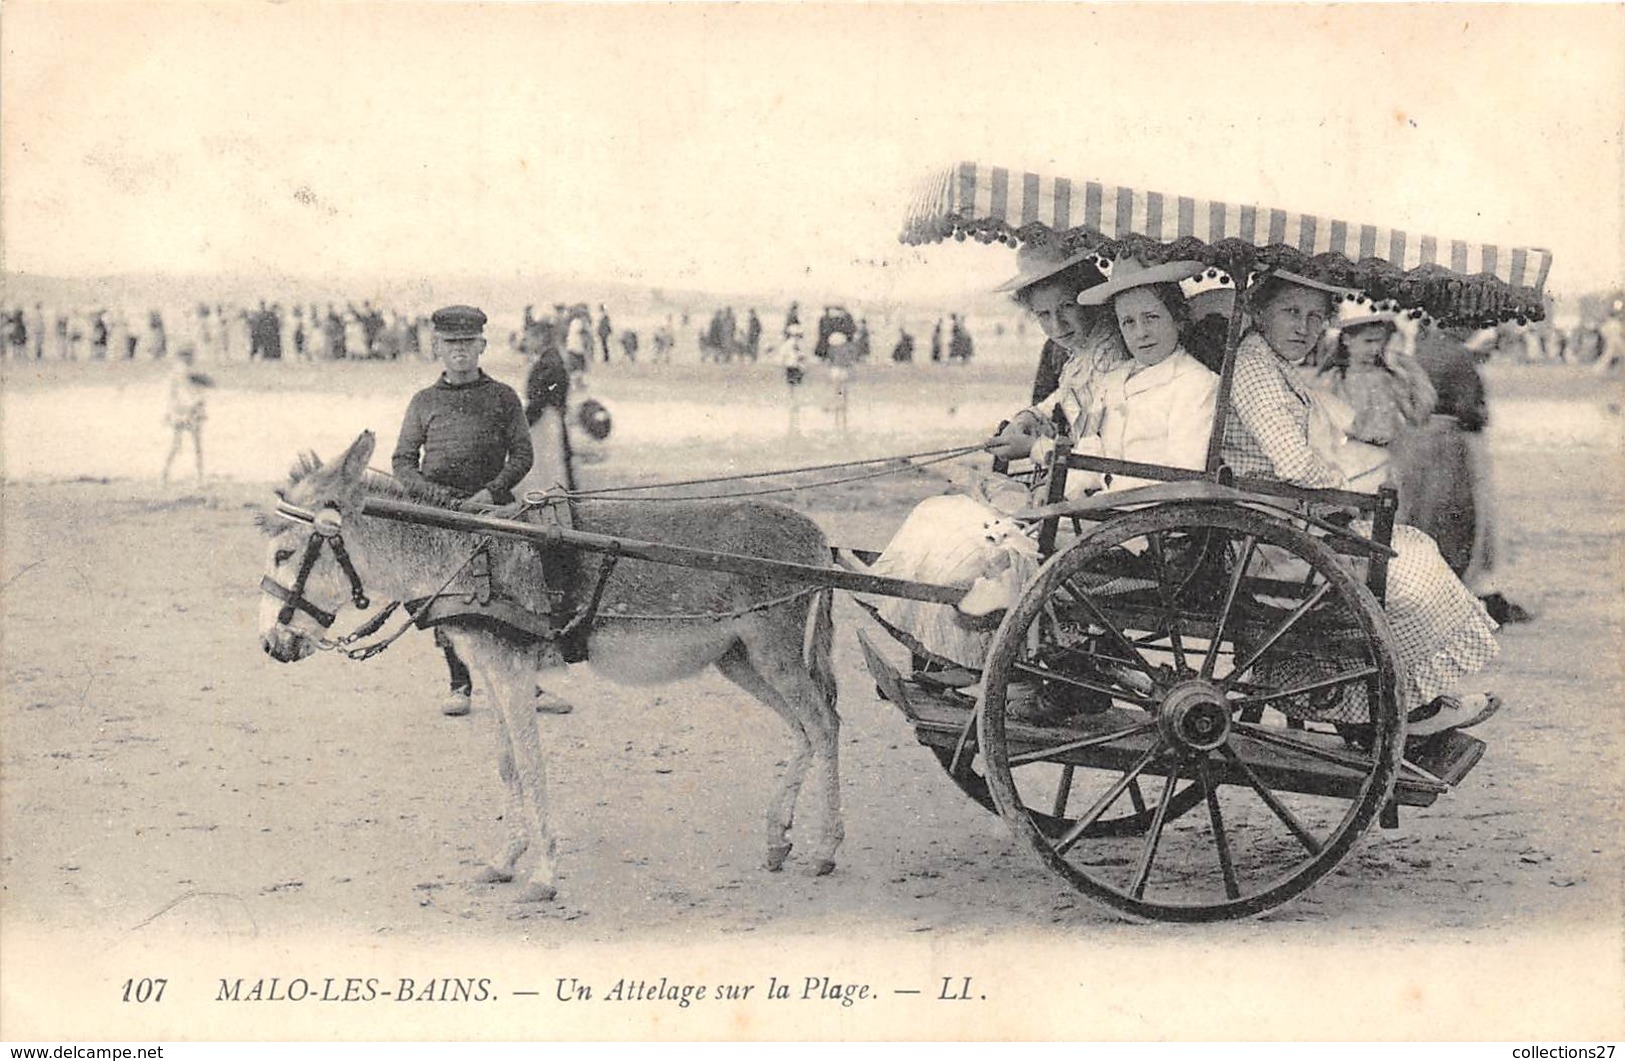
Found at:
(1194, 709)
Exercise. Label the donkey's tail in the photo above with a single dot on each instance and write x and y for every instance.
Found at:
(817, 648)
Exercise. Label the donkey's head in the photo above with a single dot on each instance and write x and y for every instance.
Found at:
(308, 573)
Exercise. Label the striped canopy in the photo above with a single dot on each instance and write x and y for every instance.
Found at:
(1453, 280)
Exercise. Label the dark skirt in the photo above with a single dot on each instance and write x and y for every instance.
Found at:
(1433, 468)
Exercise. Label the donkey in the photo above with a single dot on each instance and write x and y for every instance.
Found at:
(655, 623)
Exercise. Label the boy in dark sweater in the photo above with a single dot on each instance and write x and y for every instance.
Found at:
(468, 433)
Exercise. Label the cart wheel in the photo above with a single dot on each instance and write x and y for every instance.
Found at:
(1252, 679)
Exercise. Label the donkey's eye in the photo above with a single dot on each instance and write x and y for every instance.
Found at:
(283, 556)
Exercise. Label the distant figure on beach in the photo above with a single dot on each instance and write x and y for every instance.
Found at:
(960, 347)
(98, 335)
(17, 334)
(753, 335)
(157, 336)
(185, 411)
(578, 341)
(794, 359)
(1611, 343)
(36, 332)
(903, 352)
(605, 331)
(665, 338)
(842, 356)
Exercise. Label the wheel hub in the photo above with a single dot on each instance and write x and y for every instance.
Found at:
(1195, 716)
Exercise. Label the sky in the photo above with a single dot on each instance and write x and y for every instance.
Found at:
(772, 146)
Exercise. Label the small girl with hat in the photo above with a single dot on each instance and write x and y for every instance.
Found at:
(1387, 392)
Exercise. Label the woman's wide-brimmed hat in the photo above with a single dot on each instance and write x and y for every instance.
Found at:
(1313, 285)
(1038, 261)
(1357, 310)
(1130, 273)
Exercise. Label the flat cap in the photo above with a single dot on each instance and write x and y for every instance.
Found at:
(459, 322)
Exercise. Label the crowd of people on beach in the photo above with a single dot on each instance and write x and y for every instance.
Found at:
(333, 331)
(216, 332)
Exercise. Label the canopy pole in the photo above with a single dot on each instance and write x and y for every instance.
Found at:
(1221, 407)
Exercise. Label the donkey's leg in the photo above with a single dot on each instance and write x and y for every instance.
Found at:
(735, 666)
(509, 673)
(776, 655)
(500, 869)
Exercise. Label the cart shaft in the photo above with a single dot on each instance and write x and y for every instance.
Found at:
(655, 552)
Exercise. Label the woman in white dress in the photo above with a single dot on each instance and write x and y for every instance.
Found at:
(1129, 391)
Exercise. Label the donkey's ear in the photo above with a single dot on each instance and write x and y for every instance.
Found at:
(354, 462)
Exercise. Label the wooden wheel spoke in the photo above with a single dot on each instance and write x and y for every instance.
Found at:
(1273, 802)
(1153, 835)
(1049, 675)
(1074, 834)
(1166, 591)
(1112, 632)
(1299, 690)
(1264, 735)
(1041, 754)
(1094, 655)
(1221, 841)
(1056, 622)
(1063, 791)
(1280, 631)
(1249, 544)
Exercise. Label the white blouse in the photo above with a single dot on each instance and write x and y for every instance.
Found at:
(1157, 415)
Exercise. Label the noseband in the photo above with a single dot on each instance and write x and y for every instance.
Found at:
(325, 525)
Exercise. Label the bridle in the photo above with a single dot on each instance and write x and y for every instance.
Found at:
(325, 525)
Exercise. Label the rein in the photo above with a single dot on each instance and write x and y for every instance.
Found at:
(326, 525)
(906, 460)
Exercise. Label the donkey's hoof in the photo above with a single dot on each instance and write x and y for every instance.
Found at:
(776, 854)
(824, 868)
(537, 892)
(493, 875)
